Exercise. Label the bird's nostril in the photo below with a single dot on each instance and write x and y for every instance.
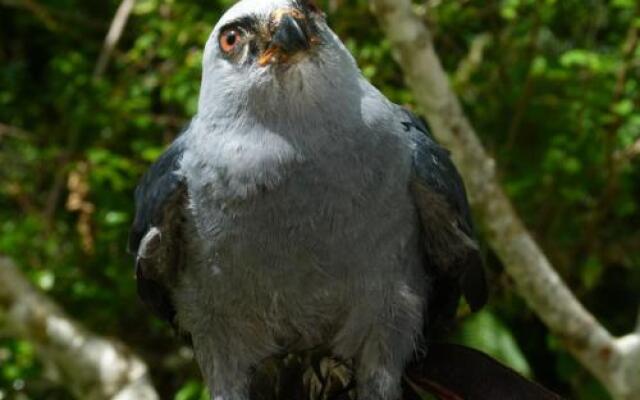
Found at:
(290, 36)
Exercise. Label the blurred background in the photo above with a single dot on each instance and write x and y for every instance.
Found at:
(552, 88)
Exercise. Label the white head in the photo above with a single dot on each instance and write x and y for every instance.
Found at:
(268, 56)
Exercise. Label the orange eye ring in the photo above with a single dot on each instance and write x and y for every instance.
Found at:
(230, 39)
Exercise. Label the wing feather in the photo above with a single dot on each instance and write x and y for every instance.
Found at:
(453, 256)
(155, 237)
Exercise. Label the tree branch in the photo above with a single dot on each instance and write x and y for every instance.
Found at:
(12, 131)
(615, 362)
(94, 368)
(468, 66)
(38, 10)
(622, 157)
(113, 36)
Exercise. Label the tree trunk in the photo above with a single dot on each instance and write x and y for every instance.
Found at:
(615, 362)
(92, 367)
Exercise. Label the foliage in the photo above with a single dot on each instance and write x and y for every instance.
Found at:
(552, 86)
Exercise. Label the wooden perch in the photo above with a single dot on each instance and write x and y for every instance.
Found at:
(614, 361)
(92, 367)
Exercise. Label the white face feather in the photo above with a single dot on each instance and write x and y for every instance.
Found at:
(234, 89)
(260, 8)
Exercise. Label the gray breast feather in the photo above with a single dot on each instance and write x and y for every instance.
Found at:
(453, 257)
(155, 236)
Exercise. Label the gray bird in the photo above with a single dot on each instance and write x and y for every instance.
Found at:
(301, 208)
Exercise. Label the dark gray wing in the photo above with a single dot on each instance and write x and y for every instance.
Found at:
(453, 258)
(156, 234)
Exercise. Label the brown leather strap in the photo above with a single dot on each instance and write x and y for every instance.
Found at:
(453, 372)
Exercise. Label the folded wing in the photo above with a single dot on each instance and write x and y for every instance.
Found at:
(156, 236)
(452, 255)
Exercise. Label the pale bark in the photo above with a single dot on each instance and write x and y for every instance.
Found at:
(92, 367)
(12, 131)
(614, 361)
(113, 36)
(627, 155)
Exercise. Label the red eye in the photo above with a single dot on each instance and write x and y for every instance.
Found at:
(229, 40)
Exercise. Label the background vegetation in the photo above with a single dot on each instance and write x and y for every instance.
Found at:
(551, 86)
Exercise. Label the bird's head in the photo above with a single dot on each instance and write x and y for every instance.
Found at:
(267, 33)
(266, 52)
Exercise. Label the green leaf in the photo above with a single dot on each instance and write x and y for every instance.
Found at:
(192, 390)
(484, 331)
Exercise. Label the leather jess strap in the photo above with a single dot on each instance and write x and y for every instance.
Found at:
(454, 372)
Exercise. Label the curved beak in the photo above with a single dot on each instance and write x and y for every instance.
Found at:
(289, 38)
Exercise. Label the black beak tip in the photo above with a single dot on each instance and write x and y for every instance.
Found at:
(290, 36)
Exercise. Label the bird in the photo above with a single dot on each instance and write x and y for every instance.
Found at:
(301, 208)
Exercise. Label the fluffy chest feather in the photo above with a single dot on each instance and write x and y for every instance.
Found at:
(278, 185)
(288, 235)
